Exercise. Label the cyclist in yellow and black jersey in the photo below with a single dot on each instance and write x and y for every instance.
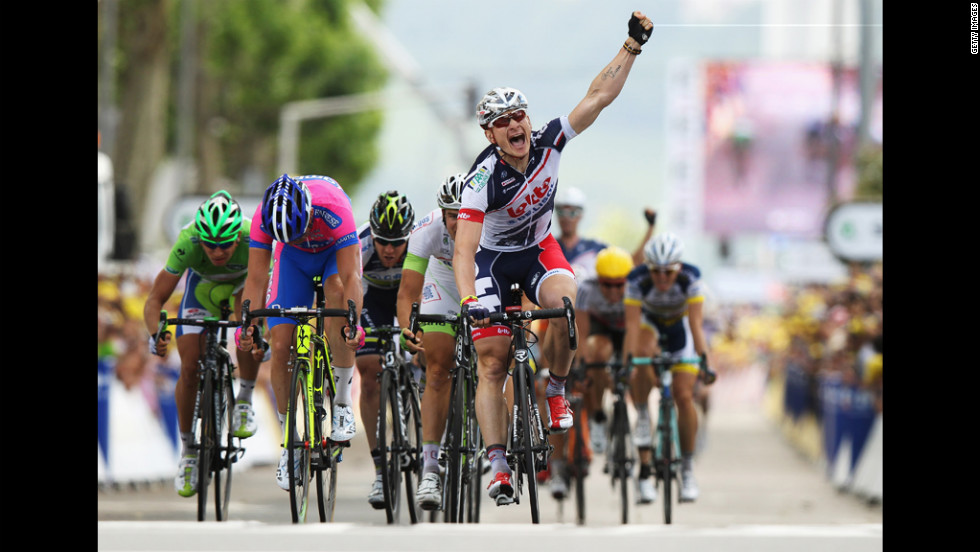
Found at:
(665, 297)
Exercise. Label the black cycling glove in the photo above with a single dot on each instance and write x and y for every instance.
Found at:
(637, 32)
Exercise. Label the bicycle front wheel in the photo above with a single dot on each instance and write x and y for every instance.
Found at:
(666, 472)
(224, 460)
(581, 466)
(207, 442)
(524, 398)
(411, 460)
(390, 444)
(454, 457)
(298, 442)
(473, 462)
(619, 435)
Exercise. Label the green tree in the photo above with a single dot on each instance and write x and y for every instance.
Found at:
(261, 54)
(252, 57)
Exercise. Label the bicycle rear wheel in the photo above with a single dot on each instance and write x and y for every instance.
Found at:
(224, 460)
(390, 443)
(298, 442)
(207, 442)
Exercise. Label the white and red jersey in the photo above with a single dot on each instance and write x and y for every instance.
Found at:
(515, 208)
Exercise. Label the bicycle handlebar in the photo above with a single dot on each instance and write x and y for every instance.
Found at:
(568, 312)
(707, 375)
(304, 313)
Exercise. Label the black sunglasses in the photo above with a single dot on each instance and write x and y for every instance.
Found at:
(394, 243)
(222, 245)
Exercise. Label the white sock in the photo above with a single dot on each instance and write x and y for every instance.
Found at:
(342, 379)
(245, 390)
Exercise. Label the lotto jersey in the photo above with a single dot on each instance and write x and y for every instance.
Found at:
(332, 224)
(515, 208)
(374, 273)
(430, 239)
(664, 308)
(188, 254)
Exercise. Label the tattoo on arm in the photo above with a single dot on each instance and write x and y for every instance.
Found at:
(611, 72)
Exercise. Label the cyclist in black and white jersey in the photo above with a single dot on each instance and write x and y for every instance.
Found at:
(504, 236)
(427, 278)
(384, 243)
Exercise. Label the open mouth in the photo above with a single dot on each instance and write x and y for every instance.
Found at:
(518, 140)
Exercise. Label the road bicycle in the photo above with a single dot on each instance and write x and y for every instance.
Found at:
(666, 439)
(462, 447)
(620, 455)
(399, 442)
(212, 424)
(309, 408)
(577, 462)
(527, 445)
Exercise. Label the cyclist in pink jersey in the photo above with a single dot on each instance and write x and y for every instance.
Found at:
(504, 236)
(305, 226)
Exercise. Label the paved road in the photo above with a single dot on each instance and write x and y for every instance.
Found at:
(755, 489)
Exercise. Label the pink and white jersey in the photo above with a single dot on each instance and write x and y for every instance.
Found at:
(333, 219)
(516, 208)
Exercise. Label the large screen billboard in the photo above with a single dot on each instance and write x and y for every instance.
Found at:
(768, 149)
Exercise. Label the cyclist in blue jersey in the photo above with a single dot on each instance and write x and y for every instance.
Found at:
(305, 227)
(503, 236)
(665, 296)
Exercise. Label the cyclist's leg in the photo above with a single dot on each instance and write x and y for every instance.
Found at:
(343, 426)
(491, 407)
(248, 370)
(189, 344)
(290, 285)
(642, 381)
(598, 349)
(684, 379)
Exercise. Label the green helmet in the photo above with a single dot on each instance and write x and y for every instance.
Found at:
(219, 219)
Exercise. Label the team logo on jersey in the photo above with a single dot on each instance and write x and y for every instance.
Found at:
(430, 293)
(533, 197)
(480, 179)
(332, 220)
(180, 252)
(507, 182)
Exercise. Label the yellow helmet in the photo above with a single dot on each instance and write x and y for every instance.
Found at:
(613, 262)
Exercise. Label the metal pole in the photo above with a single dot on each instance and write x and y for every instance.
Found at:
(833, 123)
(867, 76)
(185, 99)
(107, 76)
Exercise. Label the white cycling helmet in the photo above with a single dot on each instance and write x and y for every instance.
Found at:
(499, 102)
(570, 196)
(663, 250)
(450, 193)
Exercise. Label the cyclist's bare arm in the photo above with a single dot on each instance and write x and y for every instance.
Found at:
(651, 216)
(256, 283)
(409, 291)
(607, 85)
(695, 317)
(349, 271)
(631, 339)
(163, 287)
(464, 259)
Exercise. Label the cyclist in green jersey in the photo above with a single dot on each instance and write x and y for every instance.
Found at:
(208, 251)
